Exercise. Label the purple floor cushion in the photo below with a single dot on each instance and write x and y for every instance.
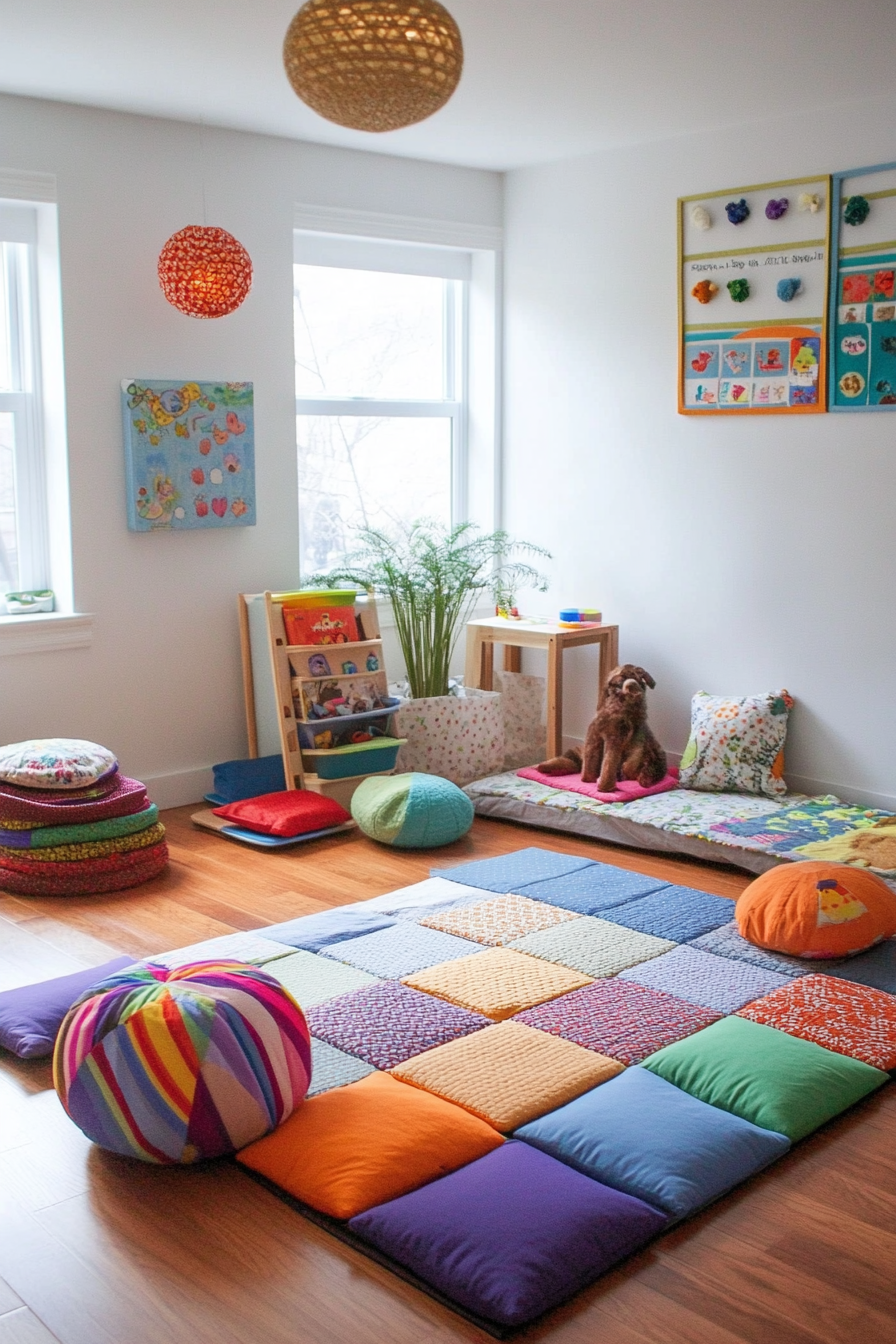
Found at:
(679, 913)
(509, 872)
(387, 1023)
(512, 1234)
(626, 1021)
(588, 891)
(31, 1016)
(641, 1135)
(702, 977)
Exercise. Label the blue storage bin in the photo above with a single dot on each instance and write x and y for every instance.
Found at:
(360, 758)
(343, 725)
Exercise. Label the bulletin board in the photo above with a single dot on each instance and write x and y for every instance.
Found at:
(863, 301)
(753, 287)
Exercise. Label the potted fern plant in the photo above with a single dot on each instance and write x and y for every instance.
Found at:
(434, 576)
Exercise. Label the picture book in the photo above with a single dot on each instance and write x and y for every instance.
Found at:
(320, 625)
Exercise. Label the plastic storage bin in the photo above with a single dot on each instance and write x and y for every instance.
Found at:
(360, 758)
(343, 725)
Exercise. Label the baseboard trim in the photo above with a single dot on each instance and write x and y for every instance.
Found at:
(179, 788)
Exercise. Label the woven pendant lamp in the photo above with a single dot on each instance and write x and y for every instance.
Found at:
(205, 272)
(373, 65)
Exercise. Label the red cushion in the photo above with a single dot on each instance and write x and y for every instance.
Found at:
(286, 813)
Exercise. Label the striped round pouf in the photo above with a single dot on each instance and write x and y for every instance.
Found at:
(182, 1065)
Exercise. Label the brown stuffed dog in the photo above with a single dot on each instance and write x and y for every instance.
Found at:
(618, 744)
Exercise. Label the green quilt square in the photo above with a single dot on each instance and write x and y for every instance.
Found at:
(779, 1082)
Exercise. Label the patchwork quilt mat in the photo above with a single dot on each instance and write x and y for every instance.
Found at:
(795, 827)
(526, 1068)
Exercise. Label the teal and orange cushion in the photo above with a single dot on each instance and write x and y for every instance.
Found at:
(181, 1065)
(360, 1145)
(774, 1080)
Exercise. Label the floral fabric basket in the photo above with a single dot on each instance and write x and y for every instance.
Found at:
(460, 737)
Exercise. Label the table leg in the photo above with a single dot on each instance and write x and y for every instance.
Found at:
(513, 658)
(487, 678)
(555, 698)
(473, 662)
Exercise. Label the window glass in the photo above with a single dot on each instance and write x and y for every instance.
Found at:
(368, 471)
(5, 349)
(9, 542)
(369, 334)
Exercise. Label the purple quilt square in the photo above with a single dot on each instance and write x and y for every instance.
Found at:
(727, 942)
(618, 1018)
(677, 913)
(511, 1235)
(705, 979)
(386, 1024)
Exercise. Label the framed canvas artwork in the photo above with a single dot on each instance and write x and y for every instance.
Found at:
(189, 453)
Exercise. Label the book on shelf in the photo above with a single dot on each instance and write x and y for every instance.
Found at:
(320, 625)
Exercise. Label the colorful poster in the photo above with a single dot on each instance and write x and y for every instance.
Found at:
(189, 454)
(753, 298)
(863, 290)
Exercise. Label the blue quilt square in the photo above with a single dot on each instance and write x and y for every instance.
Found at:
(677, 913)
(510, 872)
(656, 1143)
(400, 950)
(334, 1068)
(701, 977)
(592, 890)
(313, 932)
(875, 968)
(727, 942)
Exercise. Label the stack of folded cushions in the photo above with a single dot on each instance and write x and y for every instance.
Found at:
(71, 824)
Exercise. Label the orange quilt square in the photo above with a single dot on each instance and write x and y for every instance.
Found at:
(847, 1018)
(508, 1074)
(498, 983)
(344, 1151)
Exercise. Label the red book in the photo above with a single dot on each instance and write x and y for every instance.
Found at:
(320, 625)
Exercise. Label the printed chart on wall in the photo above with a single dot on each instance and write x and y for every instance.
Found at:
(863, 290)
(753, 298)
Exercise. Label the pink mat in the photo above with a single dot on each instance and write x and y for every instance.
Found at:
(626, 791)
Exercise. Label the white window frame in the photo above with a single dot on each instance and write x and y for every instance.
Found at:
(28, 216)
(470, 255)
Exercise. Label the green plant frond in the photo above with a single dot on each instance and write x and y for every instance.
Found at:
(433, 576)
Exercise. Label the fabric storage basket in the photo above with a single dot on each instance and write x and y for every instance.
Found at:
(460, 737)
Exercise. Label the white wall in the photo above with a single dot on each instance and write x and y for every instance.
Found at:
(737, 554)
(161, 681)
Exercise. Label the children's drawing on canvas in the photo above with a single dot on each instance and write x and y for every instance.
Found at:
(190, 454)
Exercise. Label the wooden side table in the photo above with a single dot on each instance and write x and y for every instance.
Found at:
(484, 634)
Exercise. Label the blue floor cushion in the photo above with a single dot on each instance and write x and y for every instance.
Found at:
(512, 1234)
(701, 977)
(315, 932)
(400, 950)
(774, 1080)
(509, 872)
(641, 1135)
(588, 891)
(679, 913)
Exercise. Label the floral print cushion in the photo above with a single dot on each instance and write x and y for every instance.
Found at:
(737, 745)
(55, 763)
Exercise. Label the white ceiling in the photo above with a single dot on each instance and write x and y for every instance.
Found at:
(543, 79)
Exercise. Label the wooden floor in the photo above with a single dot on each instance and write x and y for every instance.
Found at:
(95, 1249)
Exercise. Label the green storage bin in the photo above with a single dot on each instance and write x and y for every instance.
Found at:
(358, 758)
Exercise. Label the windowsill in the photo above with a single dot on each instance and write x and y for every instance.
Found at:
(45, 632)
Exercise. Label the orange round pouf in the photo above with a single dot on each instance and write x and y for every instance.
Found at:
(816, 910)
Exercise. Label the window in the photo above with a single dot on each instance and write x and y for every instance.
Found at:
(382, 407)
(24, 550)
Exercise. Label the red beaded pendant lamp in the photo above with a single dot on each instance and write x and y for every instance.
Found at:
(204, 272)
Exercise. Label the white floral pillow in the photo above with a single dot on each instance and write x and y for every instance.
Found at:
(55, 763)
(737, 746)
